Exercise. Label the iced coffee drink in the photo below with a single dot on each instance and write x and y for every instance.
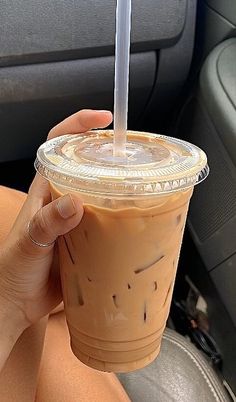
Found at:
(118, 266)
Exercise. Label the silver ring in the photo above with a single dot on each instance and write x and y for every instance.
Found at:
(37, 243)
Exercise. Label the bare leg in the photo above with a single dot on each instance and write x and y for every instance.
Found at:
(63, 378)
(18, 380)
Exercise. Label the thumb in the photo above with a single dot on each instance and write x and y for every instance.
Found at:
(55, 219)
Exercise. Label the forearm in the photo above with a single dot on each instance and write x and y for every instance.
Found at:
(19, 377)
(20, 354)
(11, 328)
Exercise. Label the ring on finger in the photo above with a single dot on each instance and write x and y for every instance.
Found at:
(36, 242)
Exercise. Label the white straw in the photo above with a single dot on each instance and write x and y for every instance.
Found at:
(123, 30)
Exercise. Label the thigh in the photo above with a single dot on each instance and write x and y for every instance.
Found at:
(11, 202)
(63, 378)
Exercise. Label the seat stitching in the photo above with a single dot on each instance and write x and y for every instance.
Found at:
(193, 358)
(198, 366)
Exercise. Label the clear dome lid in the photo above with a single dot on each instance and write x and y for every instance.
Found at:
(153, 164)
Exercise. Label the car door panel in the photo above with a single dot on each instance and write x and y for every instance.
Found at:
(57, 30)
(57, 57)
(35, 97)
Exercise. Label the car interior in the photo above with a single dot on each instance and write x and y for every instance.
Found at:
(57, 57)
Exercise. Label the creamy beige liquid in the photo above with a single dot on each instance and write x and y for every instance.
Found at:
(118, 270)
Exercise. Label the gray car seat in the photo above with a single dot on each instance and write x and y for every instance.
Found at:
(179, 374)
(210, 122)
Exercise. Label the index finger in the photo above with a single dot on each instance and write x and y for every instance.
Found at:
(82, 121)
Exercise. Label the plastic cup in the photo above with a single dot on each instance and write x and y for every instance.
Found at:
(118, 266)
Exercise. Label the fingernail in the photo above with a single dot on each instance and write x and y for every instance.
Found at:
(66, 207)
(103, 111)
